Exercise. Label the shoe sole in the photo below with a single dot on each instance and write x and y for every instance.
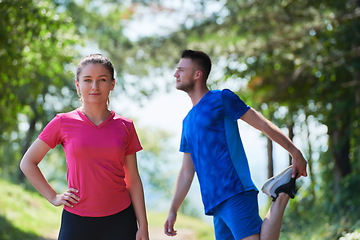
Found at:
(273, 183)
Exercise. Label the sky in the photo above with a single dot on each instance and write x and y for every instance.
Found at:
(160, 20)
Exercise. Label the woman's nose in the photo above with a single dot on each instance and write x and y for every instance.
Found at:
(94, 85)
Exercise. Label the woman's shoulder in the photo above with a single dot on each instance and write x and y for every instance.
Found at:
(71, 114)
(121, 118)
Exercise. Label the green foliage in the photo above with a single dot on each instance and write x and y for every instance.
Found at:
(25, 215)
(8, 231)
(36, 43)
(101, 24)
(325, 215)
(309, 220)
(156, 163)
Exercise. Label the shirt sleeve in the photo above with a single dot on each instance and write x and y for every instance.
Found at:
(51, 134)
(133, 144)
(233, 106)
(183, 143)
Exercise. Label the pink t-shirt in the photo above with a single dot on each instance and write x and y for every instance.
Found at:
(95, 159)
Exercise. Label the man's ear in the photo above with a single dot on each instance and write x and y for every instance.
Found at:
(198, 74)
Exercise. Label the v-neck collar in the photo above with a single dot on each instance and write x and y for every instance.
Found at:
(203, 97)
(87, 120)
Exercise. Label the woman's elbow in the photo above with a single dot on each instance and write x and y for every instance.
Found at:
(23, 165)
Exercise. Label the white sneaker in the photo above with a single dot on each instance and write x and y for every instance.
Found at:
(280, 183)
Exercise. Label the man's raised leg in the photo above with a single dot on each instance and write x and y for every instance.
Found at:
(271, 226)
(281, 188)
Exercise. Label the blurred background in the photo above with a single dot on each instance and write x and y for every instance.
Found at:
(295, 61)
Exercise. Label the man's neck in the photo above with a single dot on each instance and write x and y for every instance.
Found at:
(197, 95)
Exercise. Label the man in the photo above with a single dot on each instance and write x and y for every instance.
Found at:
(212, 147)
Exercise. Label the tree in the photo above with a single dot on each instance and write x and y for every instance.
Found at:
(36, 45)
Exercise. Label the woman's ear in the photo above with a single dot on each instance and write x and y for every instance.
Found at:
(113, 84)
(77, 86)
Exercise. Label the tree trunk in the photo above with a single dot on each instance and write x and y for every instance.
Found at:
(340, 149)
(270, 166)
(310, 162)
(291, 136)
(28, 140)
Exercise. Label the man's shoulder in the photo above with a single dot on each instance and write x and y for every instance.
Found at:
(222, 92)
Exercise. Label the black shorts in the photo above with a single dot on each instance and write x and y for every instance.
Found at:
(120, 226)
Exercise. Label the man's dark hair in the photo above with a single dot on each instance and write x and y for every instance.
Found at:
(200, 58)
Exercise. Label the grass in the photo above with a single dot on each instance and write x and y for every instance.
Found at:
(25, 213)
(28, 216)
(203, 230)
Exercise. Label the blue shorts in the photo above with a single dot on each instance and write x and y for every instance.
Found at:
(238, 217)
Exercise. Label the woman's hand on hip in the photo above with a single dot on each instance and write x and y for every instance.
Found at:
(68, 198)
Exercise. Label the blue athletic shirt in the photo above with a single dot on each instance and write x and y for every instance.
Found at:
(211, 135)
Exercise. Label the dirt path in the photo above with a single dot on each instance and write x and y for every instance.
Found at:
(183, 234)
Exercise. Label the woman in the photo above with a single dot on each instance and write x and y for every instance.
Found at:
(105, 198)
